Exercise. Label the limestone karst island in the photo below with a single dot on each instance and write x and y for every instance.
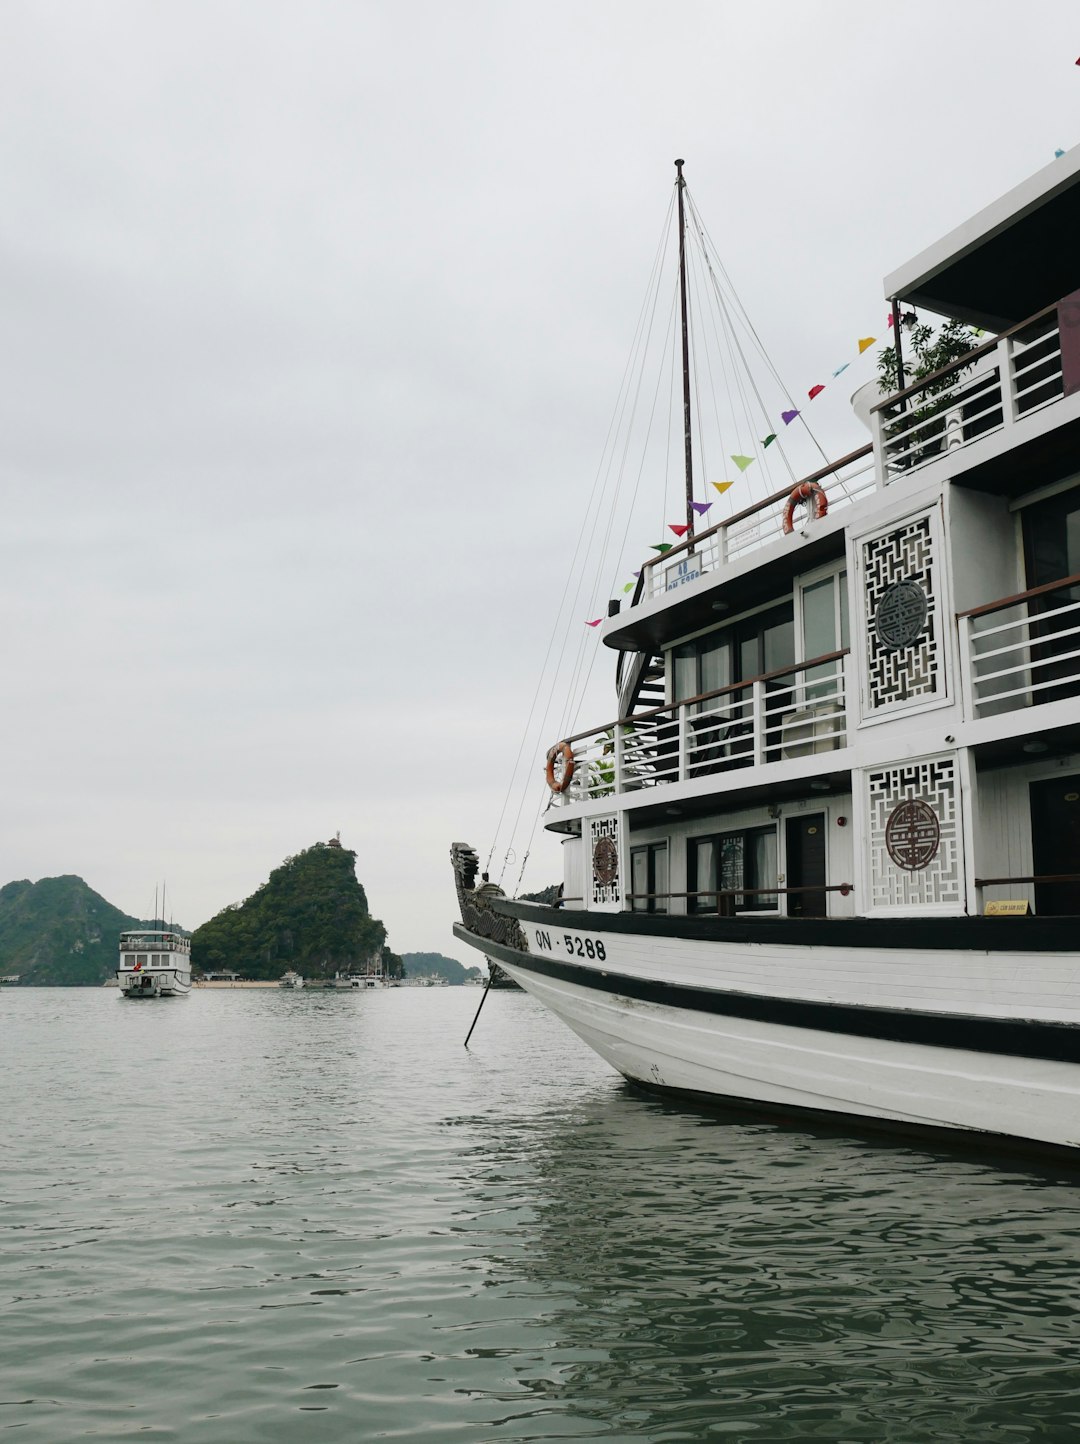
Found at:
(310, 919)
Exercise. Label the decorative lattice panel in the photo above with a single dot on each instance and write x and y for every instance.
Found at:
(604, 852)
(913, 834)
(903, 651)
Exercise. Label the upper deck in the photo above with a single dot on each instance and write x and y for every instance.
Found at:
(149, 940)
(962, 470)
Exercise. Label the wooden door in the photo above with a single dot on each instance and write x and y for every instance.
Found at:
(806, 866)
(1055, 843)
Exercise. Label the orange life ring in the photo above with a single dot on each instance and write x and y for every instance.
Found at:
(808, 491)
(564, 750)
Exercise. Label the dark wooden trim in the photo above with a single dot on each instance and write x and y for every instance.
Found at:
(899, 935)
(1019, 597)
(1019, 1038)
(842, 887)
(1048, 877)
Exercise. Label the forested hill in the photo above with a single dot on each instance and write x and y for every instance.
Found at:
(423, 965)
(59, 931)
(311, 915)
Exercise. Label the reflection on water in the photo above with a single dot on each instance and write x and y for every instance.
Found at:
(767, 1283)
(291, 1216)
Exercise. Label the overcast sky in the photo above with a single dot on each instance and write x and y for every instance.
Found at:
(313, 320)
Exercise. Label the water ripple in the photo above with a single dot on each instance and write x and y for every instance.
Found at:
(224, 1213)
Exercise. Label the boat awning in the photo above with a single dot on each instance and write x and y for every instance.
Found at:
(1009, 261)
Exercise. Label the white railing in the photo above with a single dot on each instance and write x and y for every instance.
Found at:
(794, 713)
(758, 526)
(989, 390)
(1022, 651)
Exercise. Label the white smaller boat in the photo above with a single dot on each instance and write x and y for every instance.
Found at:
(290, 980)
(154, 963)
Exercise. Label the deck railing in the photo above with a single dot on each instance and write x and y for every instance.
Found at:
(1022, 650)
(988, 390)
(754, 527)
(797, 711)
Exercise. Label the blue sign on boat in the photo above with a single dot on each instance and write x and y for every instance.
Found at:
(687, 569)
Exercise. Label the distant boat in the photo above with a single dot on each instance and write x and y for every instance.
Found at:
(154, 963)
(290, 980)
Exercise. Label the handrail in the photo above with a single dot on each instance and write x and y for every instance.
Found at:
(708, 696)
(1019, 597)
(841, 887)
(700, 536)
(1040, 877)
(964, 361)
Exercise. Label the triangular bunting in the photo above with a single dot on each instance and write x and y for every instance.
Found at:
(787, 417)
(596, 623)
(629, 587)
(723, 486)
(890, 320)
(680, 529)
(1059, 153)
(815, 391)
(768, 440)
(661, 547)
(701, 507)
(865, 342)
(841, 368)
(742, 462)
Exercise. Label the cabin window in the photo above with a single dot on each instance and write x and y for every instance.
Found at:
(141, 959)
(740, 863)
(824, 630)
(649, 877)
(129, 958)
(702, 666)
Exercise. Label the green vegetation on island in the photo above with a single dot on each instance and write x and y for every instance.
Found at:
(426, 965)
(59, 932)
(310, 916)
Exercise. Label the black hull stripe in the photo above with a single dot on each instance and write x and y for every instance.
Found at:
(1056, 1042)
(968, 934)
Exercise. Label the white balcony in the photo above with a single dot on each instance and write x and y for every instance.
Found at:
(780, 716)
(992, 389)
(1022, 651)
(757, 526)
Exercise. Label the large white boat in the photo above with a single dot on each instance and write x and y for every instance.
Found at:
(155, 962)
(825, 854)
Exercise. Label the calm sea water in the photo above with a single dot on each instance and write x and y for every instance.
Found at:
(269, 1216)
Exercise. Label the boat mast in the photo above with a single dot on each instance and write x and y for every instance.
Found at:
(681, 185)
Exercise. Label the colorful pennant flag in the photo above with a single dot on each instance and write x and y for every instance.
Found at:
(890, 320)
(701, 507)
(865, 342)
(661, 547)
(678, 529)
(768, 440)
(815, 391)
(723, 486)
(1059, 153)
(742, 462)
(596, 623)
(787, 417)
(629, 587)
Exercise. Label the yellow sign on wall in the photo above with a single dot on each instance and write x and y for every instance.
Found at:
(1009, 907)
